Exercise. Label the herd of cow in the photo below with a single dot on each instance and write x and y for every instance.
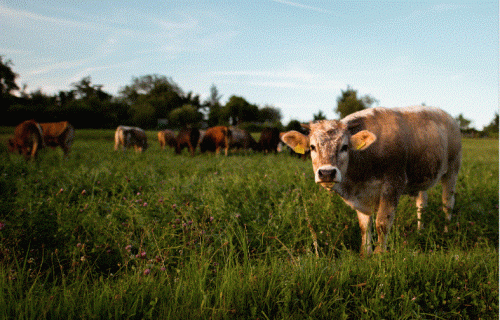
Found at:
(213, 139)
(370, 158)
(31, 136)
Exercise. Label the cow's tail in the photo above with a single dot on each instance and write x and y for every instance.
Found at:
(36, 140)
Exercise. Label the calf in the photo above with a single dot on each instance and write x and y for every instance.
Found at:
(131, 137)
(58, 134)
(27, 140)
(216, 138)
(372, 157)
(167, 137)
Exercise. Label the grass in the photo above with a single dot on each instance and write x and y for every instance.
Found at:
(107, 234)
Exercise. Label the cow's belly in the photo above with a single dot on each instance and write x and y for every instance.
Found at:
(363, 197)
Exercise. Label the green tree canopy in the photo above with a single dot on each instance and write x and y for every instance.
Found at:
(349, 102)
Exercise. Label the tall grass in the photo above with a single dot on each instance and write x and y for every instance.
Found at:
(109, 234)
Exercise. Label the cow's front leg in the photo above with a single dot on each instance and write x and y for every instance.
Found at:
(385, 219)
(365, 224)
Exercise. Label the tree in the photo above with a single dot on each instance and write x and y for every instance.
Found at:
(462, 122)
(319, 116)
(492, 128)
(7, 78)
(269, 114)
(185, 115)
(238, 110)
(214, 107)
(349, 102)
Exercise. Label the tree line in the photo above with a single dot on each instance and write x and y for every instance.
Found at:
(156, 102)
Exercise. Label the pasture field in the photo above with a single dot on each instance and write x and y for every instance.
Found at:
(107, 234)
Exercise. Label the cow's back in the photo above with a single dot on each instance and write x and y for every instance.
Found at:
(420, 144)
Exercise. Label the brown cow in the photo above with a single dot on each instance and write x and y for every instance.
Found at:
(167, 137)
(372, 157)
(131, 137)
(187, 137)
(242, 139)
(27, 140)
(269, 140)
(58, 134)
(216, 138)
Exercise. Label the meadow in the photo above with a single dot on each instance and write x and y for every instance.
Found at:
(107, 234)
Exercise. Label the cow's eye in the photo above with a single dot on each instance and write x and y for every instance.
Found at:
(344, 148)
(313, 147)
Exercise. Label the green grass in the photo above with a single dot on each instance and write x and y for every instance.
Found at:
(108, 234)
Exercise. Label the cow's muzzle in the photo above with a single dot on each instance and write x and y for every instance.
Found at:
(327, 174)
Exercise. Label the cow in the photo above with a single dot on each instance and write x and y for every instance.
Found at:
(187, 137)
(27, 140)
(131, 137)
(167, 137)
(241, 139)
(216, 138)
(372, 157)
(269, 140)
(58, 134)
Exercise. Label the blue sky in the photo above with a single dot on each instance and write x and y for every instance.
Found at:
(295, 55)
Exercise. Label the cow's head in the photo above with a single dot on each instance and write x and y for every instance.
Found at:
(330, 143)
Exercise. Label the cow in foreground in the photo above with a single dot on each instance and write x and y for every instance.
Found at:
(215, 139)
(372, 157)
(27, 140)
(128, 137)
(167, 138)
(58, 134)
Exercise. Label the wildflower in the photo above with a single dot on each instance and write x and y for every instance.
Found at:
(211, 219)
(138, 193)
(145, 204)
(147, 271)
(163, 268)
(128, 248)
(84, 192)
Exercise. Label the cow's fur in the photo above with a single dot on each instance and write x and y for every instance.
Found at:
(216, 138)
(58, 134)
(242, 139)
(372, 157)
(167, 137)
(187, 137)
(269, 140)
(128, 137)
(27, 140)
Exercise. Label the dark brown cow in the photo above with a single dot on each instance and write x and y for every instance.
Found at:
(27, 140)
(58, 134)
(167, 137)
(269, 140)
(372, 157)
(216, 138)
(131, 137)
(187, 137)
(242, 139)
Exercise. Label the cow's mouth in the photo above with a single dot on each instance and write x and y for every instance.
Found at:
(327, 185)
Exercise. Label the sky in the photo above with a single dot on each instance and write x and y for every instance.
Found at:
(295, 55)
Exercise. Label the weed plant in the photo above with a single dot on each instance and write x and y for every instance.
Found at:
(107, 234)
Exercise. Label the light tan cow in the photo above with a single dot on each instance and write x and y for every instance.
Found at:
(127, 137)
(167, 137)
(372, 157)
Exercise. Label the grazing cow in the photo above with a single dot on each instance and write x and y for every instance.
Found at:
(269, 140)
(241, 139)
(187, 137)
(372, 157)
(167, 137)
(27, 140)
(131, 137)
(58, 134)
(216, 138)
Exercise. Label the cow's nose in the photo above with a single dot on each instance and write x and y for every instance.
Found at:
(327, 174)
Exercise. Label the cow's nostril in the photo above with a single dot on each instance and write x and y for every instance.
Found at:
(327, 174)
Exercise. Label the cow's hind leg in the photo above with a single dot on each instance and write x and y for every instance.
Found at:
(365, 224)
(448, 182)
(421, 205)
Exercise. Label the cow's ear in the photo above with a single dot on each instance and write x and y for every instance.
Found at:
(296, 140)
(363, 139)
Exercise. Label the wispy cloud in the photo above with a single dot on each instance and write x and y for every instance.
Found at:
(305, 7)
